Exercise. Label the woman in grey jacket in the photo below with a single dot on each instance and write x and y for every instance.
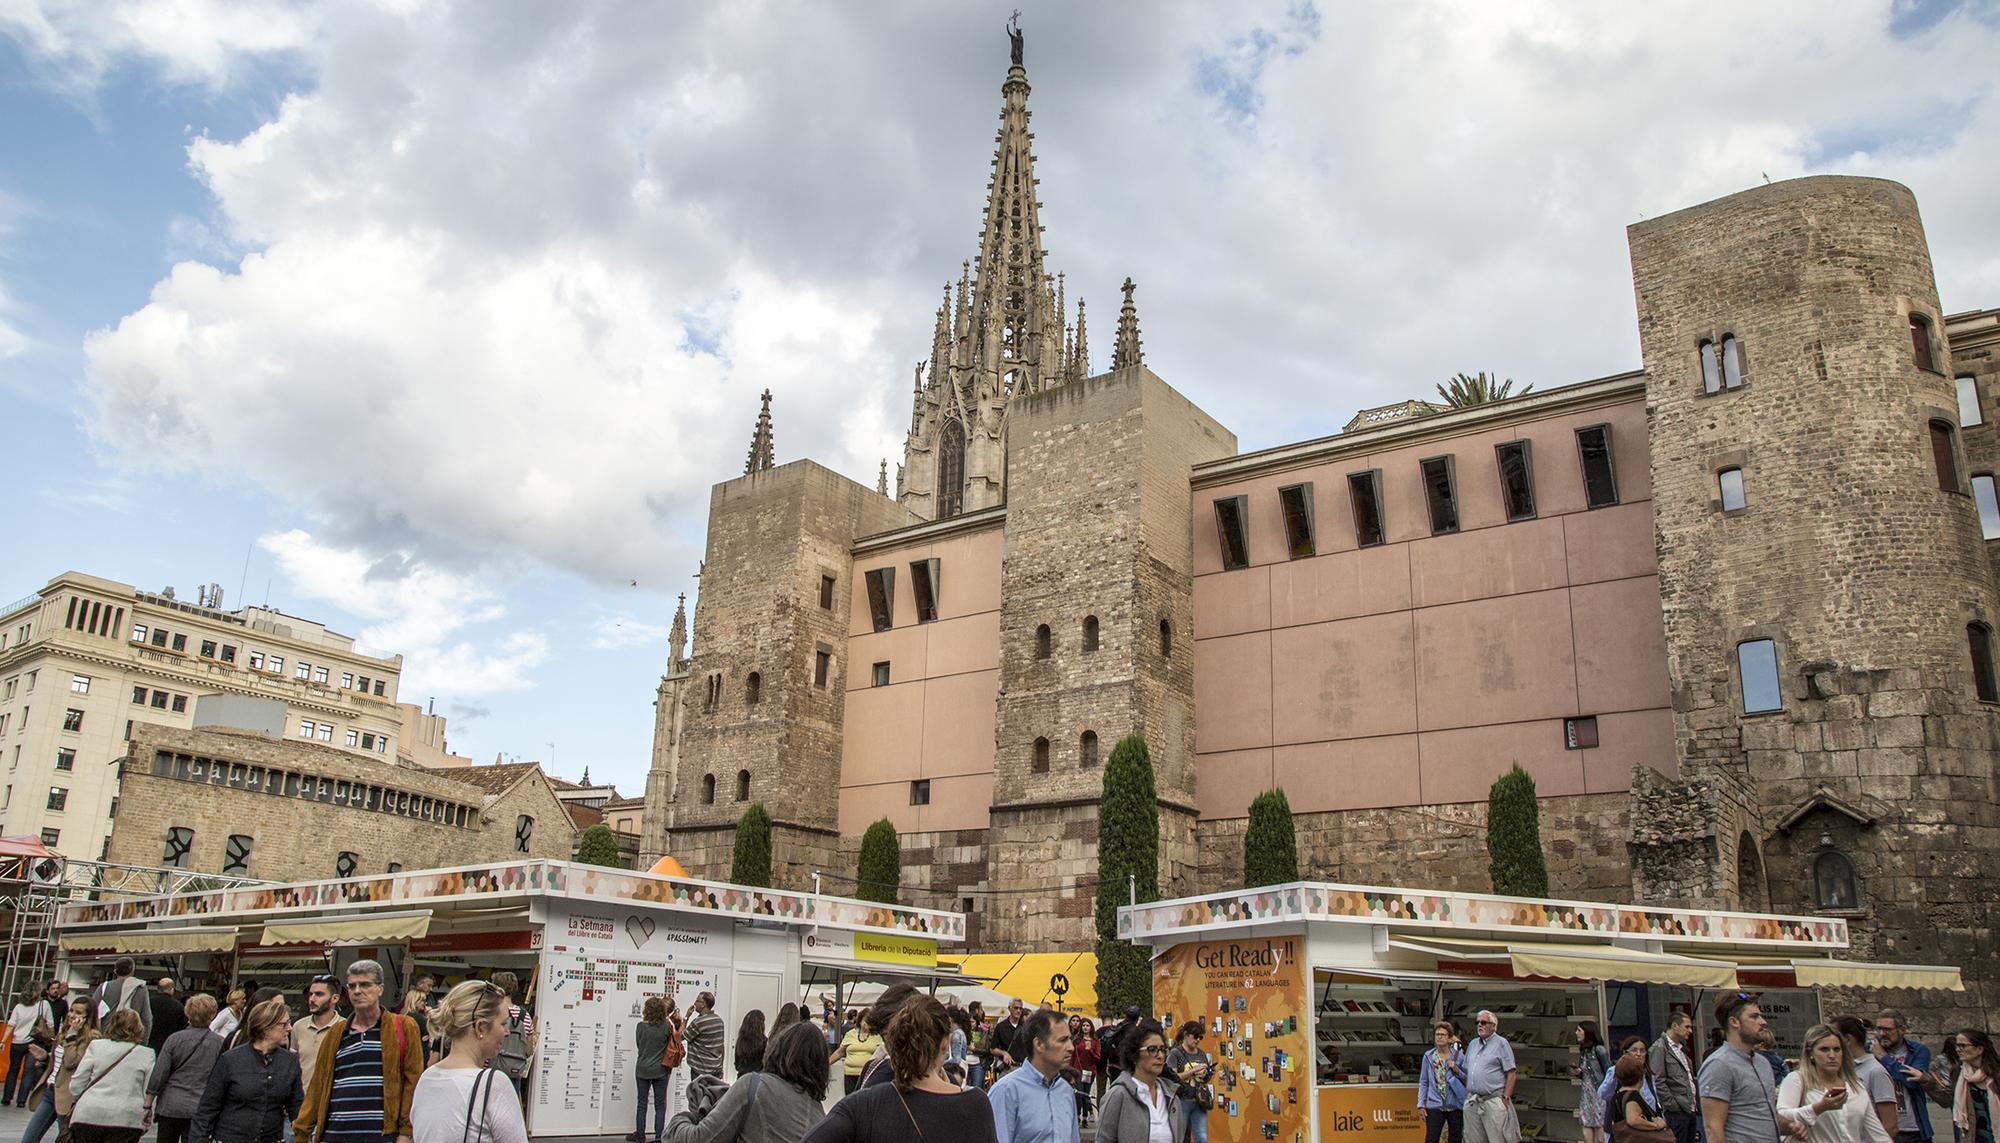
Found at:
(174, 1089)
(778, 1105)
(1140, 1094)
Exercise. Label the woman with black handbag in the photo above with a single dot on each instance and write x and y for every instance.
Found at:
(461, 1098)
(1190, 1068)
(1633, 1120)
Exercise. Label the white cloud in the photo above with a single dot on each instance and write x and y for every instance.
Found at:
(414, 610)
(614, 632)
(76, 43)
(517, 282)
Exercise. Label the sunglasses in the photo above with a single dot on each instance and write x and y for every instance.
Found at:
(1153, 1050)
(328, 980)
(1483, 1023)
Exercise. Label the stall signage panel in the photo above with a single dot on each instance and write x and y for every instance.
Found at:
(1364, 1112)
(1252, 997)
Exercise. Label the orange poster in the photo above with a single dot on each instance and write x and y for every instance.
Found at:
(1251, 998)
(1375, 1113)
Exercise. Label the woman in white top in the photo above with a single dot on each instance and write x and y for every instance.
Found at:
(1138, 1107)
(462, 1099)
(109, 1087)
(22, 1072)
(1826, 1096)
(231, 1015)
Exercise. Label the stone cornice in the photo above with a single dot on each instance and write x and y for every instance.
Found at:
(932, 530)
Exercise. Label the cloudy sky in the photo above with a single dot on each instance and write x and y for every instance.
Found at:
(436, 321)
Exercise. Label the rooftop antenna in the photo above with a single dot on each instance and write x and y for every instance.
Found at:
(244, 583)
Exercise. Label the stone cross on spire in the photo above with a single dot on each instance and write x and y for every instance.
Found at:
(677, 635)
(882, 479)
(760, 440)
(1126, 352)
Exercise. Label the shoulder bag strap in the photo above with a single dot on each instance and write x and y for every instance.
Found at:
(475, 1111)
(76, 1093)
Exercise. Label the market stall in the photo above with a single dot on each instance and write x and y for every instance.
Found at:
(1319, 1000)
(589, 945)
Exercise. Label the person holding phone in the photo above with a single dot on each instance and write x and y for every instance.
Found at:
(1825, 1095)
(1908, 1063)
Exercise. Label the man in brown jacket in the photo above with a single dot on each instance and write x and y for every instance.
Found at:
(366, 1073)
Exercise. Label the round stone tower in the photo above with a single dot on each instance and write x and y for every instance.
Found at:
(1822, 575)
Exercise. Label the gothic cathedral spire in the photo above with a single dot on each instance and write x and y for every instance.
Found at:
(1125, 353)
(760, 440)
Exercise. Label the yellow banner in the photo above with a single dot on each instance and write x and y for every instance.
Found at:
(1375, 1112)
(885, 949)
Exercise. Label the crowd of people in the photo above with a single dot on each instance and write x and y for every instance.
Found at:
(108, 1066)
(1848, 1083)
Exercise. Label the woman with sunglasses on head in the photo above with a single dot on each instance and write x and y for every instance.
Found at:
(1138, 1107)
(255, 1088)
(463, 1099)
(1826, 1097)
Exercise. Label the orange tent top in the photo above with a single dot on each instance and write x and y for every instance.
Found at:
(668, 867)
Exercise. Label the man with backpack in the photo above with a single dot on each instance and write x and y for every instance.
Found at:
(125, 991)
(1110, 1040)
(517, 1050)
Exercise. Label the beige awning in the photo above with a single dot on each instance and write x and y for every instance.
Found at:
(157, 941)
(1853, 974)
(1607, 962)
(348, 930)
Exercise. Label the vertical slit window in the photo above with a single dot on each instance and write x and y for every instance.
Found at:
(1989, 507)
(882, 597)
(1732, 362)
(1920, 342)
(1517, 479)
(1969, 413)
(1086, 750)
(1166, 638)
(1980, 636)
(826, 592)
(1043, 642)
(1229, 525)
(1296, 501)
(1041, 763)
(753, 689)
(1440, 494)
(1365, 490)
(1600, 479)
(1711, 368)
(1729, 483)
(743, 785)
(822, 667)
(708, 789)
(1089, 633)
(924, 586)
(1943, 456)
(1757, 668)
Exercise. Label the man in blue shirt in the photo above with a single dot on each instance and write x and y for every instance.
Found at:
(1032, 1104)
(1489, 1084)
(1907, 1063)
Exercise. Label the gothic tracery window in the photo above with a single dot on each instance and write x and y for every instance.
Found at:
(951, 470)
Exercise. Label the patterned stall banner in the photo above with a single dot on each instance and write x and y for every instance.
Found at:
(442, 887)
(1407, 908)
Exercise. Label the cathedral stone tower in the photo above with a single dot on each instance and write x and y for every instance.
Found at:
(1827, 596)
(1001, 336)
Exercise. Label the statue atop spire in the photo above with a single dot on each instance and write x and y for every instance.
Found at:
(677, 636)
(1126, 353)
(760, 441)
(1014, 36)
(882, 479)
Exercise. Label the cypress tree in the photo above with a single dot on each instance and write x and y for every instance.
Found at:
(881, 871)
(1270, 848)
(1514, 837)
(598, 846)
(750, 862)
(1128, 846)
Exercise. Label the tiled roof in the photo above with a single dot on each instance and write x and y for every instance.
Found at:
(493, 779)
(583, 816)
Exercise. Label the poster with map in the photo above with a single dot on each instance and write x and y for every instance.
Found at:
(1251, 998)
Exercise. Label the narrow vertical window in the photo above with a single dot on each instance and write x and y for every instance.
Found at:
(1086, 750)
(753, 689)
(1229, 525)
(1041, 763)
(1089, 633)
(524, 833)
(1517, 479)
(1296, 502)
(882, 597)
(822, 667)
(179, 853)
(236, 854)
(1980, 636)
(1365, 490)
(924, 586)
(1989, 507)
(951, 470)
(1440, 494)
(826, 592)
(1043, 642)
(1943, 456)
(1729, 482)
(1920, 342)
(1732, 362)
(1711, 368)
(1600, 480)
(708, 789)
(1969, 413)
(1166, 639)
(1757, 669)
(881, 675)
(743, 785)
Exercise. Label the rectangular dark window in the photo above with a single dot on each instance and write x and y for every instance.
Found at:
(924, 586)
(159, 637)
(1517, 479)
(822, 667)
(1580, 733)
(1365, 490)
(58, 797)
(881, 675)
(160, 700)
(1296, 503)
(139, 696)
(65, 759)
(1229, 525)
(72, 719)
(1983, 681)
(1946, 460)
(1441, 494)
(208, 648)
(1600, 478)
(920, 792)
(826, 592)
(180, 643)
(882, 597)
(228, 653)
(1757, 669)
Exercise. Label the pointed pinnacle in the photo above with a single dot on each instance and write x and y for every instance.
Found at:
(760, 440)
